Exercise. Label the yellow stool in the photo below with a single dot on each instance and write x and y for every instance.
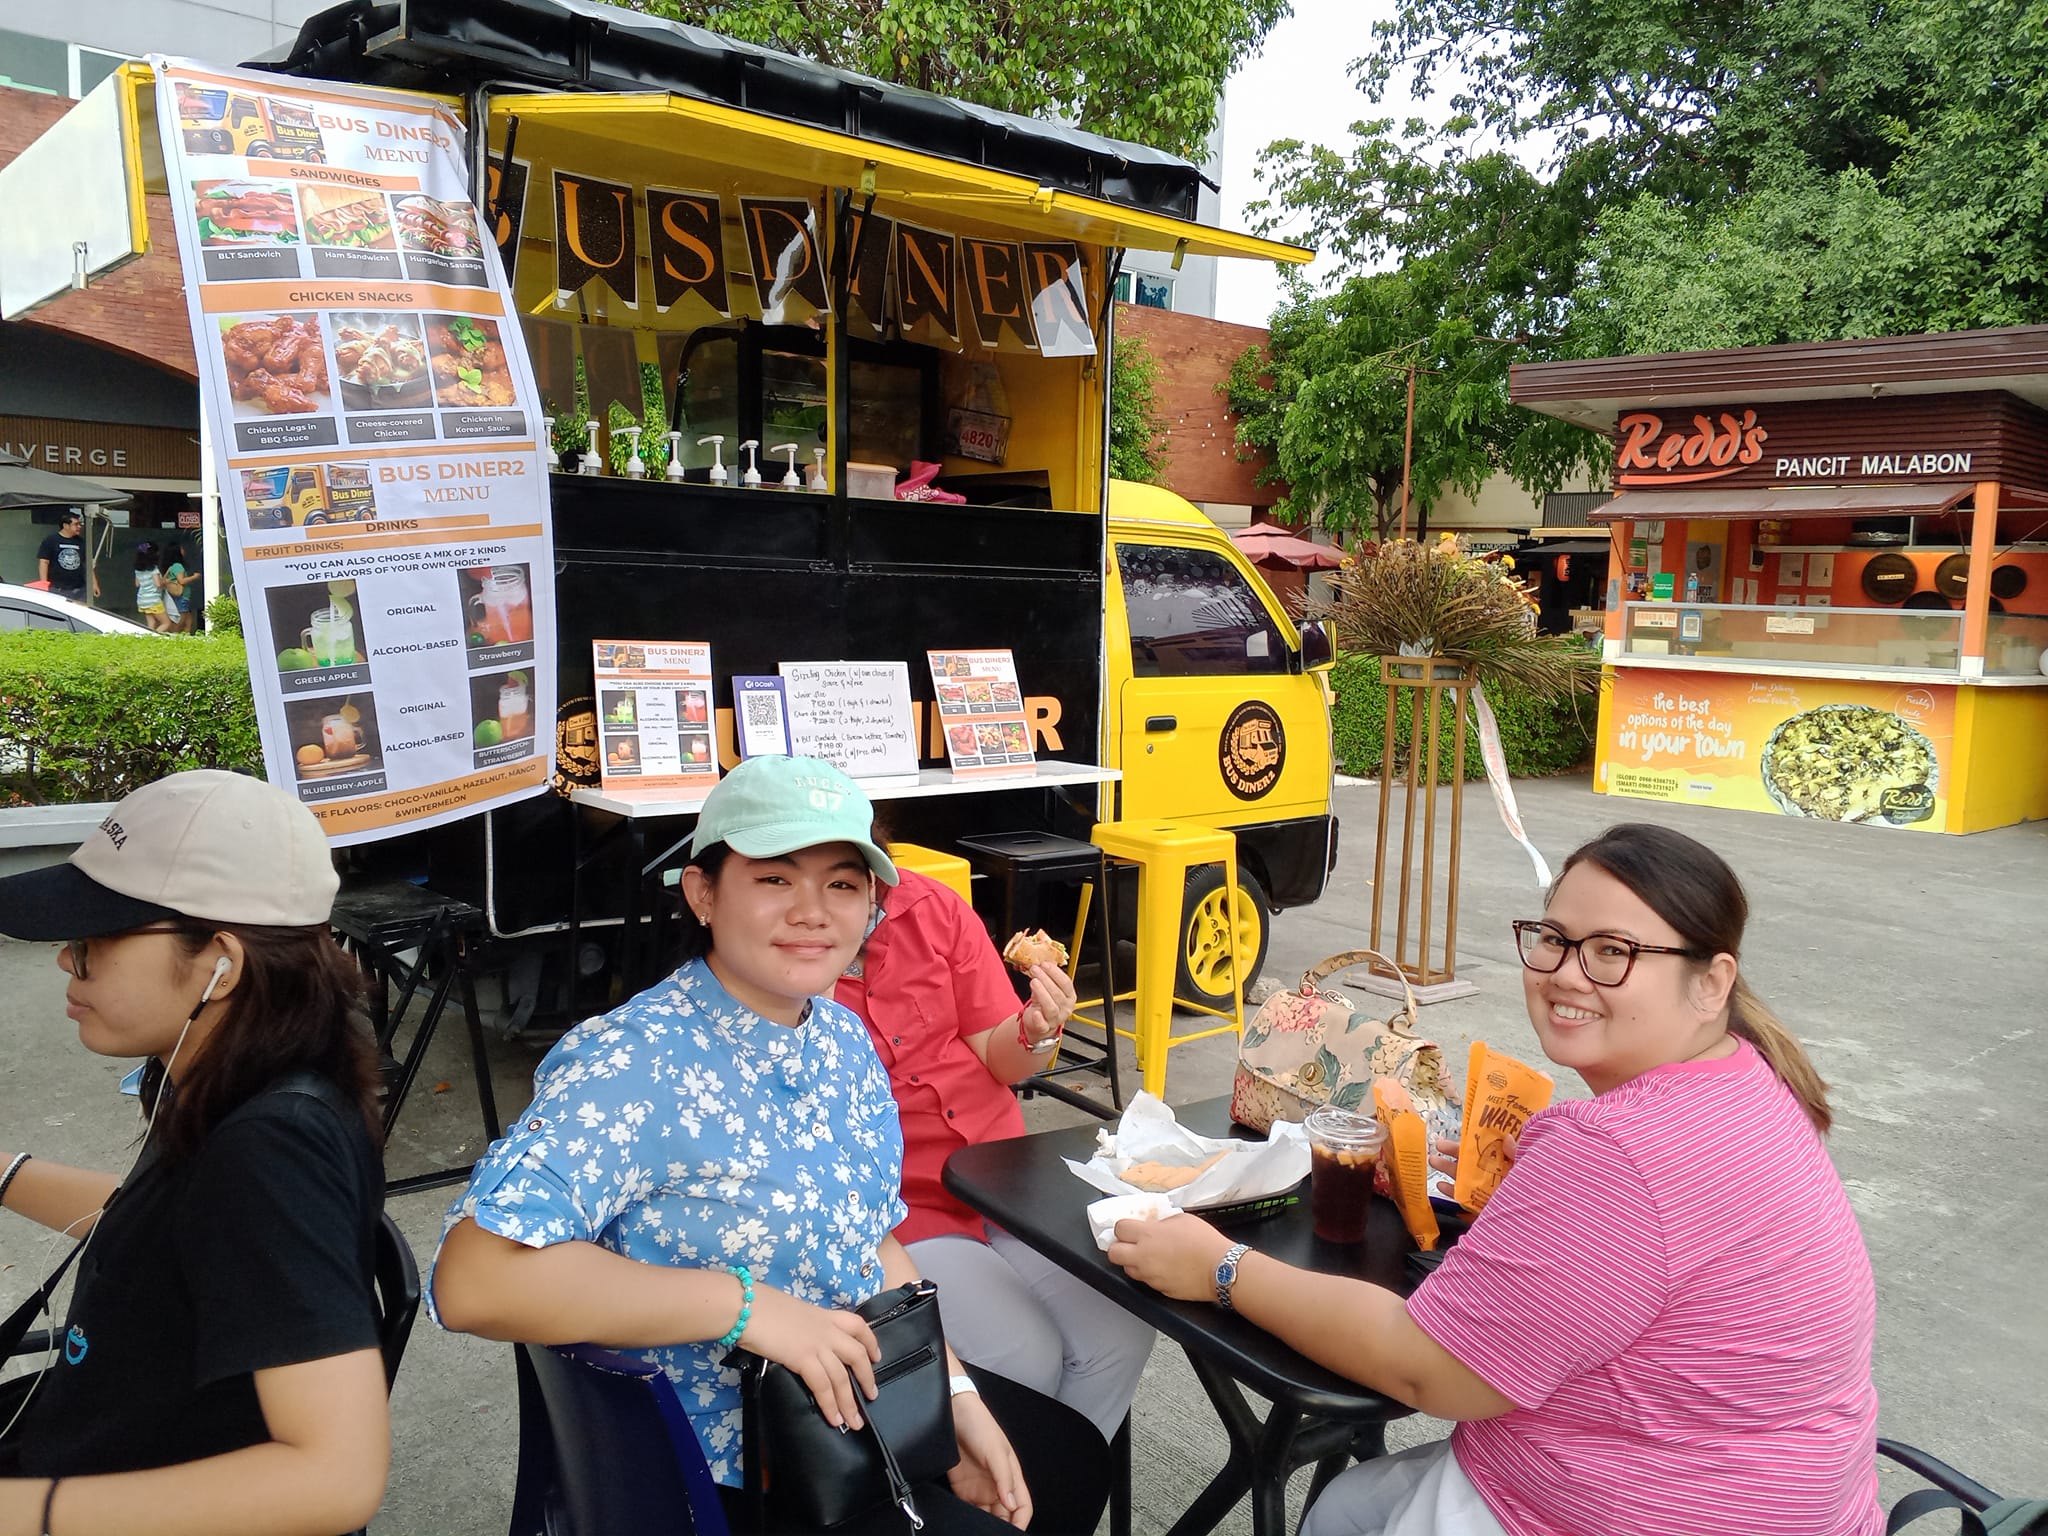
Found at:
(946, 868)
(1164, 852)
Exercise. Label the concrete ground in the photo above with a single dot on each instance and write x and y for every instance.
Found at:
(1912, 965)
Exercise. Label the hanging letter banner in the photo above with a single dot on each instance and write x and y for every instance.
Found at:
(384, 499)
(996, 292)
(925, 305)
(782, 240)
(505, 207)
(594, 236)
(686, 239)
(867, 292)
(1059, 299)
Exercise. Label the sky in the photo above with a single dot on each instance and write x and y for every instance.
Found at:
(1297, 87)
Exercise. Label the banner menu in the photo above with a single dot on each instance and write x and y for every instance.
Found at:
(384, 496)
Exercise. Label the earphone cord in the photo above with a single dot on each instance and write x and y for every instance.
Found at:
(50, 1354)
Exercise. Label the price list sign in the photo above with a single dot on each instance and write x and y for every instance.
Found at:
(374, 418)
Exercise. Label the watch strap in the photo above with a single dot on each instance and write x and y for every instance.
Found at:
(1226, 1274)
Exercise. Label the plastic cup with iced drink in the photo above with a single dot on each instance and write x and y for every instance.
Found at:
(1344, 1148)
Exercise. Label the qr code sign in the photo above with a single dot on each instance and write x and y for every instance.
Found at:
(763, 711)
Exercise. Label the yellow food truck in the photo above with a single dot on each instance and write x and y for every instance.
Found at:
(823, 373)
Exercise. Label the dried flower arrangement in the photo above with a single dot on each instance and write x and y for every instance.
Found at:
(1404, 598)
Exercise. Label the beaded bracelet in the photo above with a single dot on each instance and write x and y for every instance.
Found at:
(745, 1277)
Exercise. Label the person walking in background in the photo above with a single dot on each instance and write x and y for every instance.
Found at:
(65, 560)
(180, 588)
(149, 590)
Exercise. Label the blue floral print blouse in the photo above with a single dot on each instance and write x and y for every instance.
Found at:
(683, 1128)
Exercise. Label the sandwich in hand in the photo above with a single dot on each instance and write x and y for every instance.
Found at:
(1032, 947)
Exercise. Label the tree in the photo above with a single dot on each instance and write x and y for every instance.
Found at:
(1616, 178)
(1137, 442)
(1145, 70)
(1326, 401)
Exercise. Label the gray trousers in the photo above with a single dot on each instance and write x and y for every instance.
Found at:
(1011, 1311)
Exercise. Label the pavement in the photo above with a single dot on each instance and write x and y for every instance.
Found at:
(1912, 965)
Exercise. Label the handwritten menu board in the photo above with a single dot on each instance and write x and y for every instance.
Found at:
(374, 422)
(982, 710)
(654, 715)
(854, 714)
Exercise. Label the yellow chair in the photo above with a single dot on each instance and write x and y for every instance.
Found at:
(946, 868)
(1164, 852)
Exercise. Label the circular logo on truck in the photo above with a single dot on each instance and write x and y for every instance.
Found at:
(1252, 749)
(575, 746)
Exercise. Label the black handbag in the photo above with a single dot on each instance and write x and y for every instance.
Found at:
(803, 1474)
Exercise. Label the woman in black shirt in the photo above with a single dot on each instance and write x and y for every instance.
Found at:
(217, 1370)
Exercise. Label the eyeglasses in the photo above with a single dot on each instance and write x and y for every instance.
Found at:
(1606, 958)
(78, 946)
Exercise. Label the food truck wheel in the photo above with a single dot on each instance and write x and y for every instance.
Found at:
(1206, 948)
(259, 149)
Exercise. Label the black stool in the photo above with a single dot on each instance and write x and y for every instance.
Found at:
(376, 921)
(1021, 867)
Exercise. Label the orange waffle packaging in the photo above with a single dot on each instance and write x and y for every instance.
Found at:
(1404, 1160)
(1500, 1095)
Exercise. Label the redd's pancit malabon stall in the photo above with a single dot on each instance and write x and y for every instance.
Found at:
(1827, 592)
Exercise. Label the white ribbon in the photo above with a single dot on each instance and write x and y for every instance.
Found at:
(1497, 779)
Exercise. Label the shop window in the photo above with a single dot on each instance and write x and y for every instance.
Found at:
(92, 66)
(34, 64)
(1192, 614)
(1147, 289)
(1154, 292)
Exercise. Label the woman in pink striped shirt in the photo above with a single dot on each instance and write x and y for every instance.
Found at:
(1662, 1321)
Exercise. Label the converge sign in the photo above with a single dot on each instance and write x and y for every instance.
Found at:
(1703, 449)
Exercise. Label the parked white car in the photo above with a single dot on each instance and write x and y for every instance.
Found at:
(27, 608)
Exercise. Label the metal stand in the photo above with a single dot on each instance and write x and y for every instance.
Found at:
(1423, 682)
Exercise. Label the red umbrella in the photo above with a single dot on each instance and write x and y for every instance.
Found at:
(1266, 544)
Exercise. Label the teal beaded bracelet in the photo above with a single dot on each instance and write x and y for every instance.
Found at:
(745, 1277)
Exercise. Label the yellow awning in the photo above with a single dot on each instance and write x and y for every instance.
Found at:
(643, 127)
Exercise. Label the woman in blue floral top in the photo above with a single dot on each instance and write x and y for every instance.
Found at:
(731, 1118)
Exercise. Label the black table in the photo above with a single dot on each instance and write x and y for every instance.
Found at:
(1317, 1416)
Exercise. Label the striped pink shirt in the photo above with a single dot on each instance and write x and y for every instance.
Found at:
(1672, 1290)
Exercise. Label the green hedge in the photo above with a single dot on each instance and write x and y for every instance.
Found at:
(1537, 736)
(91, 717)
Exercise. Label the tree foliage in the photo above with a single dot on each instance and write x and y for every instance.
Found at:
(1326, 402)
(1145, 70)
(1616, 178)
(1137, 440)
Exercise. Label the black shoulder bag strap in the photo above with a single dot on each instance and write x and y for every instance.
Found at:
(23, 1317)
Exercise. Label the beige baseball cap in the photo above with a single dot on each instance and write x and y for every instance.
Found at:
(220, 847)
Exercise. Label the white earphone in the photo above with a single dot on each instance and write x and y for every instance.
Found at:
(220, 968)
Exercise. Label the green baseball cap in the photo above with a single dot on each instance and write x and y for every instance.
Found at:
(774, 805)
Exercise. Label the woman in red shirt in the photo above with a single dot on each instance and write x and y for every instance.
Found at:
(946, 1022)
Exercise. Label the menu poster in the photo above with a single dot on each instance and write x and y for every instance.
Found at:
(371, 407)
(854, 714)
(654, 714)
(982, 710)
(761, 716)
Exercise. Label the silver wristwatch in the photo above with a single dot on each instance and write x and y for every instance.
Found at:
(1226, 1274)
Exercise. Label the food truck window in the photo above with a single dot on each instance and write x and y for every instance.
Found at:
(1192, 614)
(793, 402)
(708, 398)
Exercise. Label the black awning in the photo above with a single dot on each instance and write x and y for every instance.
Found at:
(573, 45)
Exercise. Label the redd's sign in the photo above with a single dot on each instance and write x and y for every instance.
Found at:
(1705, 448)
